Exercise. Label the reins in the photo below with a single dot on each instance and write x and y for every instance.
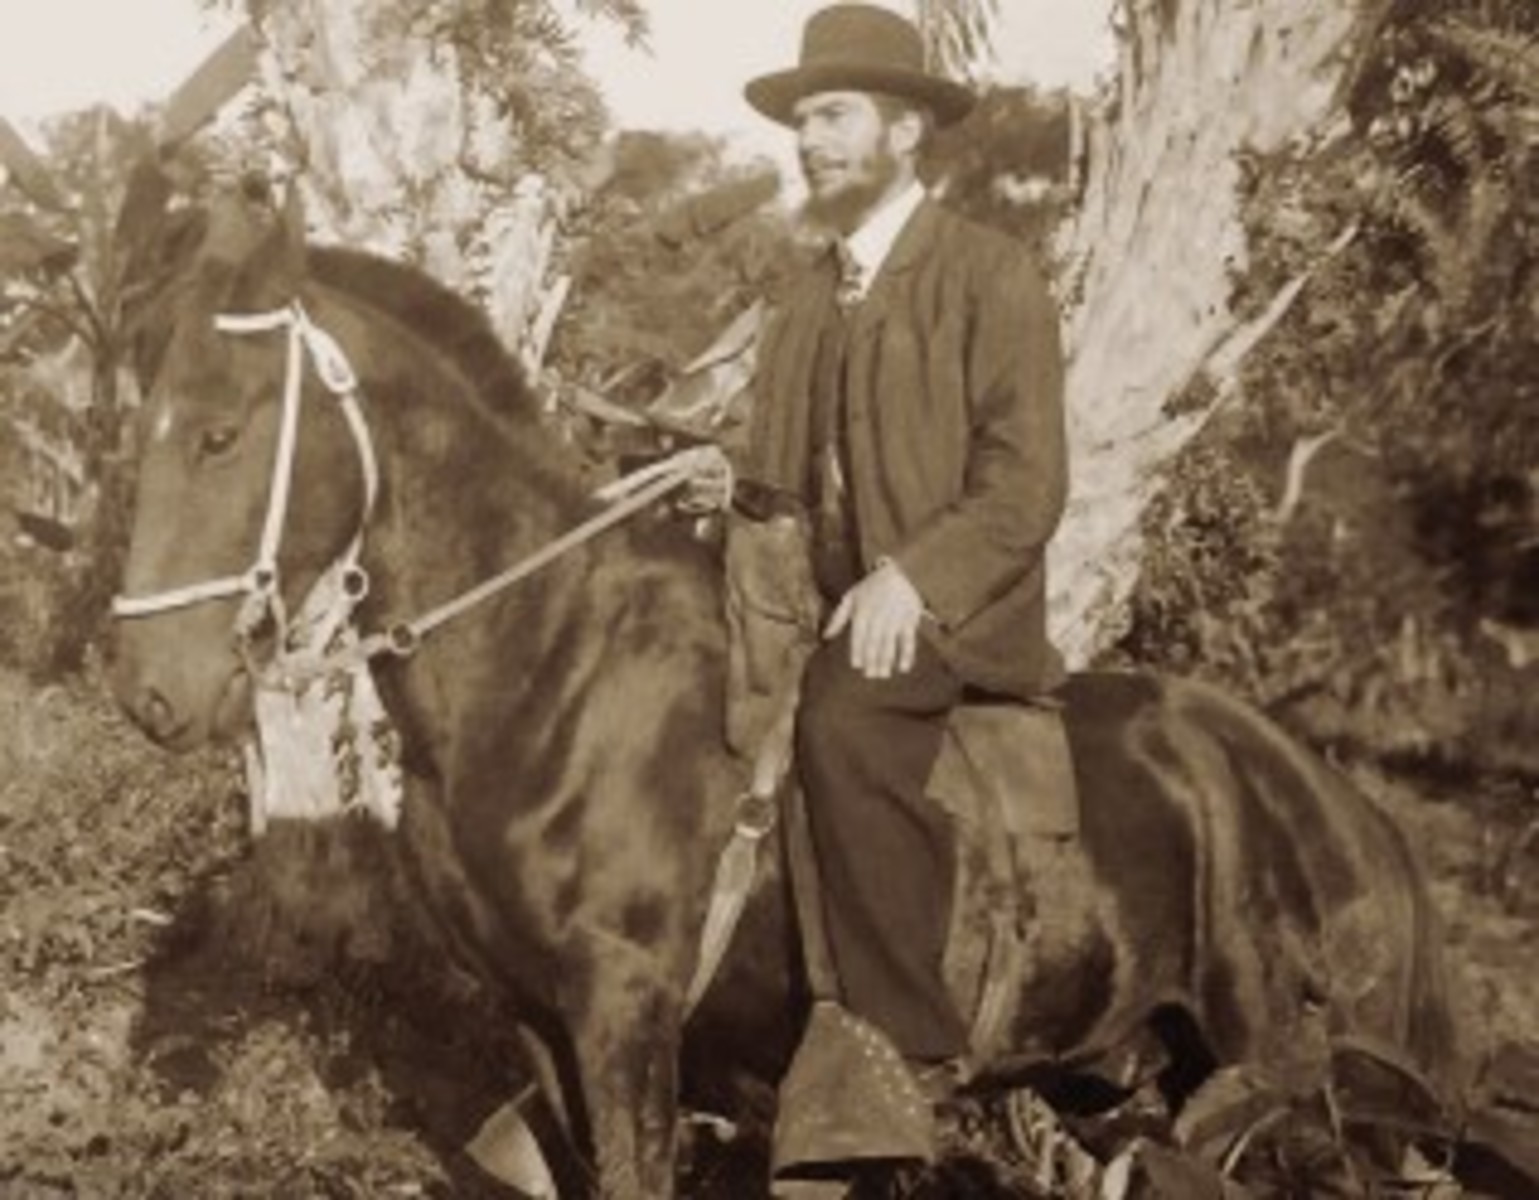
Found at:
(630, 494)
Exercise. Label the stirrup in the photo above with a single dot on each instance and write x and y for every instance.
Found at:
(849, 1097)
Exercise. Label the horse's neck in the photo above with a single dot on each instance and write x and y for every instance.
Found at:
(466, 493)
(454, 510)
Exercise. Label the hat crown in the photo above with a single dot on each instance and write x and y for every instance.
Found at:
(861, 35)
(860, 48)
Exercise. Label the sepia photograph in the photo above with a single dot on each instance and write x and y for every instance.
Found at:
(745, 599)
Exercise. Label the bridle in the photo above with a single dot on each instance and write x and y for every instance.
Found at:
(260, 584)
(290, 674)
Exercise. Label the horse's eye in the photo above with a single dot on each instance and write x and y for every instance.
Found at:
(218, 440)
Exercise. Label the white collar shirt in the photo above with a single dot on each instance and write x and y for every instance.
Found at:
(870, 245)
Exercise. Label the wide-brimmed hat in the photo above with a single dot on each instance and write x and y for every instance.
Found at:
(859, 48)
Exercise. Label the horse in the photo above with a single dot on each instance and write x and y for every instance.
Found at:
(570, 786)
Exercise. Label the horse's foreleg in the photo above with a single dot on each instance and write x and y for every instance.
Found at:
(625, 1033)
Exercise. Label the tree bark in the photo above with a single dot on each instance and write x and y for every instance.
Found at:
(395, 155)
(1152, 251)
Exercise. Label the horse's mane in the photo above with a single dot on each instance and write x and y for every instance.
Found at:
(461, 332)
(450, 323)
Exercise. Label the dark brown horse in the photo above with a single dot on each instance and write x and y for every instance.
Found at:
(570, 789)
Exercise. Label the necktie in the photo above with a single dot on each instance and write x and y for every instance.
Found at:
(850, 289)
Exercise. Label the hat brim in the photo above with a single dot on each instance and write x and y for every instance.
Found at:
(775, 95)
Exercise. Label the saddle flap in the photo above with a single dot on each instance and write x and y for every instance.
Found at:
(1009, 762)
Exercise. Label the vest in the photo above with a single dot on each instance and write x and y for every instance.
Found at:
(836, 564)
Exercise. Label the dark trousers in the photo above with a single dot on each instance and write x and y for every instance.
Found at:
(884, 849)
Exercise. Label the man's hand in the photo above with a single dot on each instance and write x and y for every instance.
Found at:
(883, 612)
(711, 483)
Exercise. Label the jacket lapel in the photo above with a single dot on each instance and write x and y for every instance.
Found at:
(782, 409)
(783, 406)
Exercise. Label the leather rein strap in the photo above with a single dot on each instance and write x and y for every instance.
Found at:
(260, 584)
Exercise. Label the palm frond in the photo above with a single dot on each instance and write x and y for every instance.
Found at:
(957, 33)
(1456, 126)
(1509, 57)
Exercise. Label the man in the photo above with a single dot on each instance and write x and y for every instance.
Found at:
(910, 393)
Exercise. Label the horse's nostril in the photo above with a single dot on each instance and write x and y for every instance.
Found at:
(156, 715)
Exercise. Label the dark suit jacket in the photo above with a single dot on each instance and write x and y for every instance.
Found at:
(956, 433)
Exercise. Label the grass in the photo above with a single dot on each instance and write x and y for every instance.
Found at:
(106, 846)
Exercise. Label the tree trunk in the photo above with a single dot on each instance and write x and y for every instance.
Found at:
(396, 155)
(1152, 252)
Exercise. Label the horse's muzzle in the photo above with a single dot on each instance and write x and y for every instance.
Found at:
(156, 716)
(181, 713)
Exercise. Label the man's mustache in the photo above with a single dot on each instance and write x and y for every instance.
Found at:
(816, 164)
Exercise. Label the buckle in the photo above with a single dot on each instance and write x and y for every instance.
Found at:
(761, 502)
(756, 815)
(402, 640)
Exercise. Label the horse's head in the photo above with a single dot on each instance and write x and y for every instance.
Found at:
(250, 480)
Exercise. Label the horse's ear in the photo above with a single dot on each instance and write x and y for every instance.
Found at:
(142, 213)
(291, 229)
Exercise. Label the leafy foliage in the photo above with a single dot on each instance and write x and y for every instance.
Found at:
(1355, 608)
(675, 243)
(1008, 163)
(60, 282)
(73, 265)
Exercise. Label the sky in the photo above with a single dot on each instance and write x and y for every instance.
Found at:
(704, 50)
(57, 55)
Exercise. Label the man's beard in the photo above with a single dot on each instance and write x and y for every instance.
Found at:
(845, 207)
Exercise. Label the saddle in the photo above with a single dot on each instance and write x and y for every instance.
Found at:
(1006, 777)
(1004, 764)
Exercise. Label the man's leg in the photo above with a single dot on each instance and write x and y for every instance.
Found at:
(884, 850)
